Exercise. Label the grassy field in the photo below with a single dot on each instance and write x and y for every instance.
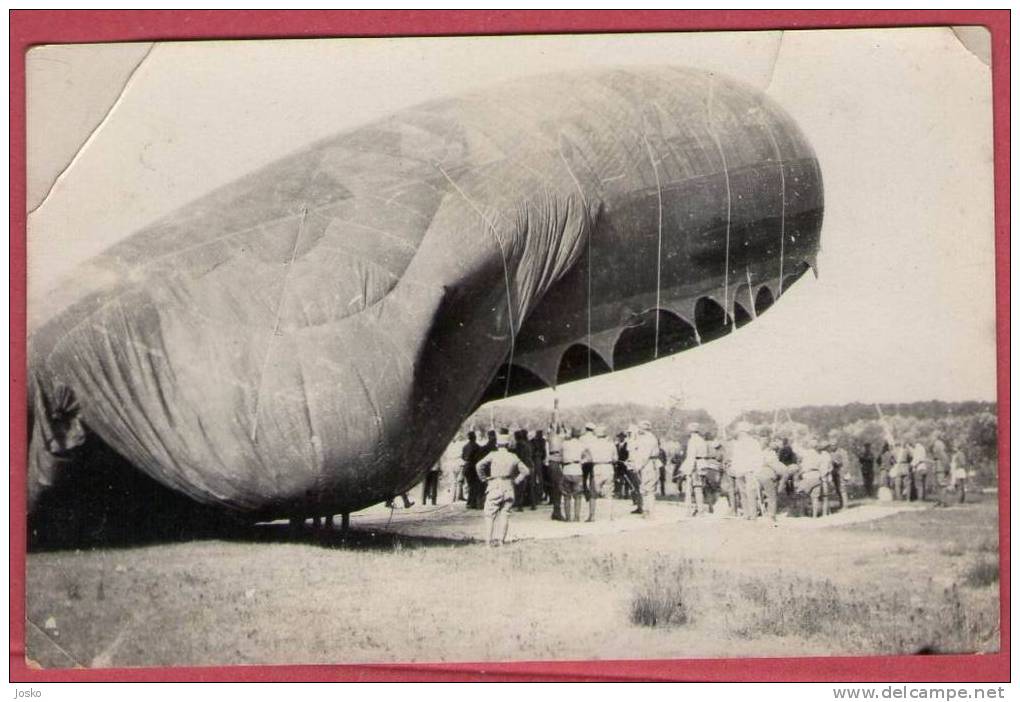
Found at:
(921, 581)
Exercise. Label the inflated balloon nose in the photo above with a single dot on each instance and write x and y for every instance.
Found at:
(309, 338)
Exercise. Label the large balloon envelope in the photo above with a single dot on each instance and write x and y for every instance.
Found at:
(309, 338)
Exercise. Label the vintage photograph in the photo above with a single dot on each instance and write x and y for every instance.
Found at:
(511, 348)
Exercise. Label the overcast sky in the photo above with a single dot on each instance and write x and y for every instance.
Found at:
(902, 310)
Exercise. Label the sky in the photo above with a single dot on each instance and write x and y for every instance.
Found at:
(902, 307)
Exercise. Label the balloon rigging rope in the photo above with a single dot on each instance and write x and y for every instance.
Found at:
(782, 220)
(729, 202)
(506, 275)
(584, 205)
(658, 252)
(276, 326)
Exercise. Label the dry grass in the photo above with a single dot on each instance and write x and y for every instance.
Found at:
(711, 589)
(914, 619)
(982, 573)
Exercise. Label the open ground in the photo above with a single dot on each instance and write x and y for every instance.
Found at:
(414, 586)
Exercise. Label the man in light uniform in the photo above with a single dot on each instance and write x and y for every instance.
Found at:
(746, 459)
(811, 479)
(900, 472)
(693, 469)
(840, 470)
(602, 452)
(958, 472)
(500, 471)
(644, 452)
(771, 475)
(940, 467)
(575, 455)
(920, 465)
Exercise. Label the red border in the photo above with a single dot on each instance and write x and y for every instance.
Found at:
(36, 27)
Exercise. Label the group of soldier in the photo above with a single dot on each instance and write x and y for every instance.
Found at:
(743, 476)
(913, 470)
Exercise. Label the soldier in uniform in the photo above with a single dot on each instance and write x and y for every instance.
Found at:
(840, 470)
(693, 469)
(501, 471)
(770, 476)
(522, 449)
(602, 453)
(900, 472)
(554, 476)
(644, 451)
(575, 455)
(920, 465)
(866, 459)
(886, 466)
(811, 476)
(470, 455)
(539, 452)
(746, 460)
(623, 488)
(958, 473)
(587, 438)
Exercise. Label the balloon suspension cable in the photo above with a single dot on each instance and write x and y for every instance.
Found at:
(782, 218)
(506, 274)
(658, 251)
(729, 205)
(591, 230)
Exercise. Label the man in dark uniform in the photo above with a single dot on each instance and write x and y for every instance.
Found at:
(788, 458)
(471, 454)
(522, 489)
(538, 456)
(867, 460)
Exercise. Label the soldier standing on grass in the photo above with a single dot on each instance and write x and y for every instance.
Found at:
(500, 471)
(575, 455)
(554, 476)
(602, 452)
(644, 451)
(693, 469)
(867, 460)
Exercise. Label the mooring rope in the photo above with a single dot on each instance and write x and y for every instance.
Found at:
(506, 275)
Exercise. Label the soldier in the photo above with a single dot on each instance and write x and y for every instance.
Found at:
(644, 451)
(940, 466)
(746, 460)
(693, 469)
(538, 456)
(866, 459)
(471, 454)
(622, 478)
(840, 470)
(554, 477)
(602, 452)
(958, 473)
(811, 481)
(900, 472)
(501, 471)
(430, 486)
(574, 456)
(522, 449)
(919, 465)
(886, 467)
(788, 458)
(770, 476)
(825, 465)
(587, 438)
